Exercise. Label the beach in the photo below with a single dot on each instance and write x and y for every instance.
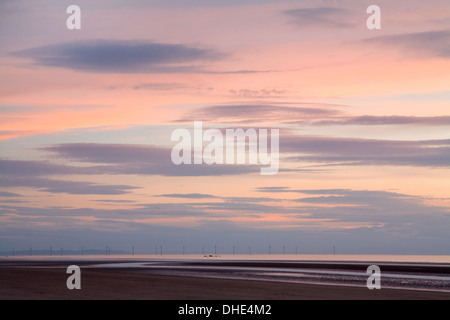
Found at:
(47, 281)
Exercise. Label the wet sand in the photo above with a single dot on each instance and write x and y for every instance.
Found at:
(18, 283)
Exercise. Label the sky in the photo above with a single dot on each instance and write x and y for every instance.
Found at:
(87, 116)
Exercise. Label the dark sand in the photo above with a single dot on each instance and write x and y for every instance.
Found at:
(17, 283)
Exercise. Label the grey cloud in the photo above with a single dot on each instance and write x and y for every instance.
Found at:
(272, 189)
(120, 56)
(263, 93)
(305, 114)
(161, 86)
(429, 43)
(352, 151)
(9, 194)
(304, 191)
(75, 187)
(251, 199)
(187, 196)
(140, 159)
(238, 209)
(388, 211)
(261, 112)
(35, 174)
(23, 168)
(114, 201)
(360, 197)
(240, 71)
(336, 196)
(324, 17)
(386, 120)
(62, 186)
(227, 199)
(109, 153)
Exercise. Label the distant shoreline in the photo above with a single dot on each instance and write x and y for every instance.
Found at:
(432, 258)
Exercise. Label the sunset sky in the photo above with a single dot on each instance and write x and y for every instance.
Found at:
(87, 117)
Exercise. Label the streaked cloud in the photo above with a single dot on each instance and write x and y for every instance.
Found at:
(353, 151)
(69, 187)
(121, 56)
(139, 159)
(114, 201)
(227, 199)
(419, 44)
(37, 175)
(161, 86)
(262, 93)
(34, 168)
(305, 114)
(187, 195)
(322, 17)
(386, 120)
(9, 194)
(251, 113)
